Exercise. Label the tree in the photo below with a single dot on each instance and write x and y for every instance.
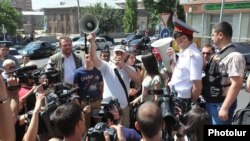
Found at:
(9, 16)
(155, 7)
(109, 19)
(130, 16)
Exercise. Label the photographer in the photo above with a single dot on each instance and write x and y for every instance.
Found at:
(32, 130)
(193, 128)
(150, 122)
(8, 66)
(70, 121)
(115, 120)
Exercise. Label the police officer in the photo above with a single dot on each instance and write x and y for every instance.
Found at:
(224, 76)
(187, 74)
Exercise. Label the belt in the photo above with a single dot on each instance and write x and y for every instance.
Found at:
(92, 99)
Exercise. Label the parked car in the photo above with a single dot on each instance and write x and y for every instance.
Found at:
(101, 43)
(7, 43)
(14, 52)
(139, 46)
(38, 49)
(129, 38)
(108, 38)
(75, 38)
(10, 44)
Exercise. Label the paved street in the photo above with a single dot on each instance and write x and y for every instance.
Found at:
(243, 97)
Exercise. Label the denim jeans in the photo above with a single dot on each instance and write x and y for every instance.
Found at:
(213, 111)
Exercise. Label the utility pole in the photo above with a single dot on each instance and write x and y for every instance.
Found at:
(221, 10)
(78, 14)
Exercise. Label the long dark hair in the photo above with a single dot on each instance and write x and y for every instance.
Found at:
(150, 64)
(197, 118)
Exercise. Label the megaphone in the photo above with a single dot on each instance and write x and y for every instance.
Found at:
(162, 45)
(89, 24)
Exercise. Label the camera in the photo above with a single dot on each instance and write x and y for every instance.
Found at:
(96, 133)
(167, 103)
(107, 104)
(52, 101)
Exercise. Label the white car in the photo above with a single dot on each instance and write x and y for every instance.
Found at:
(14, 52)
(101, 43)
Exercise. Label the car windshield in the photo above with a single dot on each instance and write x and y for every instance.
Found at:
(80, 40)
(13, 52)
(130, 37)
(33, 45)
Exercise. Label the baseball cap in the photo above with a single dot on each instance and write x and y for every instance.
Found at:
(120, 48)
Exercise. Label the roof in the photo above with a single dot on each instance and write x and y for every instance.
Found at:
(32, 13)
(82, 3)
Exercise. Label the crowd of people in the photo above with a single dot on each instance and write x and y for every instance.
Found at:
(212, 74)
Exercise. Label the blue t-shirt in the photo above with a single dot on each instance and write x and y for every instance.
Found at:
(83, 78)
(130, 134)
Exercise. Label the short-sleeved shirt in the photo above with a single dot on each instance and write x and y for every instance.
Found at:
(130, 134)
(112, 85)
(233, 65)
(83, 79)
(188, 68)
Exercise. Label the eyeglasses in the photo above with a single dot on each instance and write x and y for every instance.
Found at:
(206, 53)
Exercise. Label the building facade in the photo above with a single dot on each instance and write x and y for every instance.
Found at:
(61, 20)
(203, 14)
(24, 5)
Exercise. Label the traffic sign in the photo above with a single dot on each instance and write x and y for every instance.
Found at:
(164, 18)
(165, 33)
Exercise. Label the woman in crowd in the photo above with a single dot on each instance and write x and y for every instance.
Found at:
(152, 82)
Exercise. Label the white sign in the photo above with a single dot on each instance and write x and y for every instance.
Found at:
(165, 17)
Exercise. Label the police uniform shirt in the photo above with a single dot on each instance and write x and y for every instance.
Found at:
(188, 68)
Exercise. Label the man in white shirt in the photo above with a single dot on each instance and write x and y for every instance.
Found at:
(112, 85)
(65, 61)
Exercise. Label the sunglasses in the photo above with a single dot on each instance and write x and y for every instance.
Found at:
(206, 53)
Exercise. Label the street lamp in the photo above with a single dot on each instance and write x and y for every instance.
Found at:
(4, 31)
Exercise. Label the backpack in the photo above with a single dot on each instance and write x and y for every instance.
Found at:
(242, 116)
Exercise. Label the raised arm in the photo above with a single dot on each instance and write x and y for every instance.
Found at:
(31, 133)
(92, 50)
(7, 129)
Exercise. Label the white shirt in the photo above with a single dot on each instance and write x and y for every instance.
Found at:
(188, 68)
(69, 69)
(112, 85)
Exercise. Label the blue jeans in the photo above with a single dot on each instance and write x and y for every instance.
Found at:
(213, 111)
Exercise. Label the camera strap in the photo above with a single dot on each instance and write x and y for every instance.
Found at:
(122, 83)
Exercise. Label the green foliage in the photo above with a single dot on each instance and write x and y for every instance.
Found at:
(155, 7)
(109, 19)
(9, 16)
(130, 16)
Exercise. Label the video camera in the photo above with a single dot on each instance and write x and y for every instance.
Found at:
(52, 101)
(168, 103)
(96, 133)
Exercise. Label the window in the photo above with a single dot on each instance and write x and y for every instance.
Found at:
(62, 17)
